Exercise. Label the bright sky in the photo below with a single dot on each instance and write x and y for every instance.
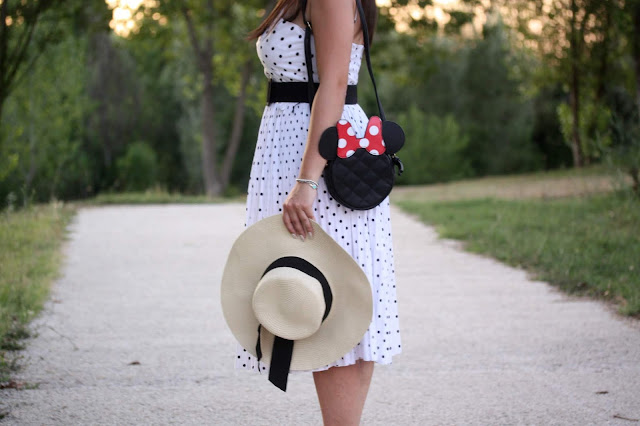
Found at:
(126, 13)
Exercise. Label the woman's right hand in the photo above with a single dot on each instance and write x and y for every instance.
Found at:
(298, 210)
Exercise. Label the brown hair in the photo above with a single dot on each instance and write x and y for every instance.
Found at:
(289, 9)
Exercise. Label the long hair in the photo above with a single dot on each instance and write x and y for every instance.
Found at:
(289, 9)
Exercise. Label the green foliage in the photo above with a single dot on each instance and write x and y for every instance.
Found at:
(479, 82)
(593, 128)
(8, 163)
(624, 156)
(42, 125)
(151, 50)
(497, 89)
(18, 45)
(116, 95)
(434, 149)
(137, 168)
(584, 245)
(546, 133)
(497, 118)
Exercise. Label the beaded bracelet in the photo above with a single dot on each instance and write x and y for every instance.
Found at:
(311, 183)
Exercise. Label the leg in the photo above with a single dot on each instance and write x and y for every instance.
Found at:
(342, 392)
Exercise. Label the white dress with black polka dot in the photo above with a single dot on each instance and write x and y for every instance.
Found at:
(366, 234)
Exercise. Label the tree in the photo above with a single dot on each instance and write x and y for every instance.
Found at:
(43, 102)
(575, 40)
(215, 32)
(18, 23)
(576, 44)
(46, 115)
(496, 116)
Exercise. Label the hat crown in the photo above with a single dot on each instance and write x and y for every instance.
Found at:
(289, 303)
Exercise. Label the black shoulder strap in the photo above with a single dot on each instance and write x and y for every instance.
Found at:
(311, 90)
(307, 51)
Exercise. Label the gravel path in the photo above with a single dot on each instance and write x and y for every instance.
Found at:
(134, 334)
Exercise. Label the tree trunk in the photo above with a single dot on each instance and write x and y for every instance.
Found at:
(31, 172)
(604, 57)
(4, 42)
(602, 71)
(203, 50)
(238, 125)
(3, 98)
(635, 178)
(576, 144)
(636, 49)
(634, 172)
(213, 186)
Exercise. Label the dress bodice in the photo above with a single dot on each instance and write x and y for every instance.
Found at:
(281, 51)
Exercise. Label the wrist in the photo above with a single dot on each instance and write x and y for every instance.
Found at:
(312, 183)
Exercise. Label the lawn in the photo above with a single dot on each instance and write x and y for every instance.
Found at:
(155, 196)
(585, 244)
(30, 259)
(544, 184)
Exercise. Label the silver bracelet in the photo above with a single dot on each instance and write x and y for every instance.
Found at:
(312, 183)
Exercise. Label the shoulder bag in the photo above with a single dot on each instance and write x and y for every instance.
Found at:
(360, 171)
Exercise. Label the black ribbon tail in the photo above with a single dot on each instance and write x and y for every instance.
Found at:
(259, 349)
(280, 362)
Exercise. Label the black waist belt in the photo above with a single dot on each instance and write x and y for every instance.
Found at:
(297, 91)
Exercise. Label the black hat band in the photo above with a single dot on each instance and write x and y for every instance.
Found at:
(282, 350)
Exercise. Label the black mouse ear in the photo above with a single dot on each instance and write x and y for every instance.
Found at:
(393, 137)
(328, 144)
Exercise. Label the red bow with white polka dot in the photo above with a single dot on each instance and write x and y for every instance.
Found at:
(372, 140)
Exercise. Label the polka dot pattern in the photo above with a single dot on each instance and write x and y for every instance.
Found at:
(365, 235)
(281, 51)
(348, 141)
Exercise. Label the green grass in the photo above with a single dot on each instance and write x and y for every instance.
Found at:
(158, 196)
(30, 259)
(585, 245)
(543, 184)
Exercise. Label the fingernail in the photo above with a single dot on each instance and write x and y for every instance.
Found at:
(310, 235)
(302, 237)
(294, 236)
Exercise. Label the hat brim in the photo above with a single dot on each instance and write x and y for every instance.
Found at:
(352, 309)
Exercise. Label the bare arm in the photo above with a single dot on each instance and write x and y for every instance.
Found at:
(333, 29)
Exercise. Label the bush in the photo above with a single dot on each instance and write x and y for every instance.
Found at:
(137, 169)
(624, 156)
(433, 150)
(592, 130)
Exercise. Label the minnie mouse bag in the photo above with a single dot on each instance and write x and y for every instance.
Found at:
(360, 172)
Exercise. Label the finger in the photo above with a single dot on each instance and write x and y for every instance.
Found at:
(295, 221)
(309, 216)
(305, 224)
(287, 222)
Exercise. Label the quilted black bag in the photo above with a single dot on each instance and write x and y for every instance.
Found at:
(360, 172)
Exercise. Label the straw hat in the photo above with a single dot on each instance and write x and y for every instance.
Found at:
(310, 297)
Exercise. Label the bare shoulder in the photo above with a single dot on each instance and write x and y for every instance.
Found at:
(334, 11)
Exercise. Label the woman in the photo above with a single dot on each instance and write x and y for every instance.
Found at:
(287, 149)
